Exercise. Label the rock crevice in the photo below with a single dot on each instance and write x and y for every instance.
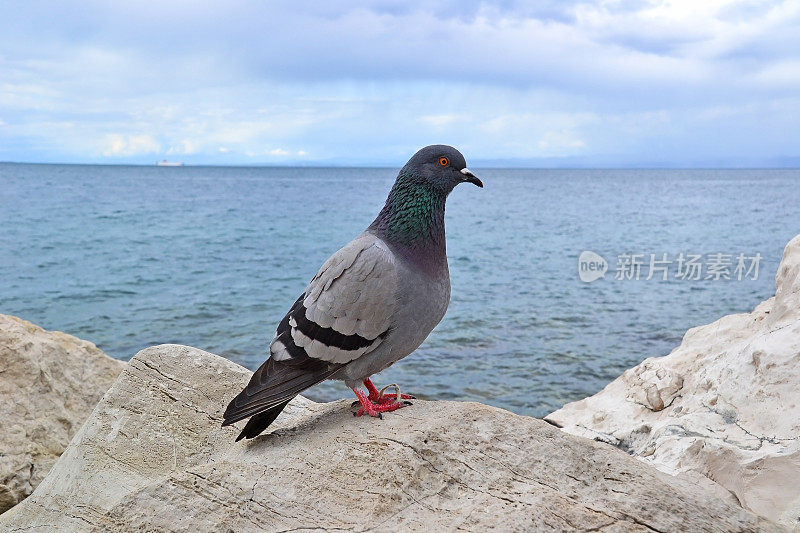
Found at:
(49, 383)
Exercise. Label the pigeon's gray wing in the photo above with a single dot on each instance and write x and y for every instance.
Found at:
(344, 313)
(348, 306)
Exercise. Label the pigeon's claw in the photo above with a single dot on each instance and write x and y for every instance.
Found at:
(379, 396)
(392, 397)
(375, 409)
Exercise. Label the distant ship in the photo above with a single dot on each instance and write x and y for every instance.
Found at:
(165, 163)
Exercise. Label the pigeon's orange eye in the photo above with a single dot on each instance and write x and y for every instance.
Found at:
(443, 161)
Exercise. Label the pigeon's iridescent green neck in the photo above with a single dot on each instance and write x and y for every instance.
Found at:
(414, 213)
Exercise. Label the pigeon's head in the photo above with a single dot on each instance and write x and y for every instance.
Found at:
(441, 167)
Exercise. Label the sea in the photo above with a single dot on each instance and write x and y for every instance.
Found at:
(133, 256)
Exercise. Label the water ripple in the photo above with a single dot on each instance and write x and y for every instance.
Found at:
(129, 257)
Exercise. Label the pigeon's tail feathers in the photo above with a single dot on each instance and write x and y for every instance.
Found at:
(273, 385)
(260, 422)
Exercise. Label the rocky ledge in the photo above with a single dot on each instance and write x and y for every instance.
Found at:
(153, 457)
(49, 383)
(723, 408)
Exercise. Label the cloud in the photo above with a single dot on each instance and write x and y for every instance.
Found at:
(116, 145)
(779, 75)
(560, 143)
(438, 121)
(186, 147)
(372, 81)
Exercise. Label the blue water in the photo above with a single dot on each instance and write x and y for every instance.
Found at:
(128, 257)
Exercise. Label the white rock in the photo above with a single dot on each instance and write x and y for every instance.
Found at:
(49, 383)
(724, 405)
(153, 457)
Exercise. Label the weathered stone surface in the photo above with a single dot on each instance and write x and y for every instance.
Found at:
(724, 405)
(153, 457)
(49, 383)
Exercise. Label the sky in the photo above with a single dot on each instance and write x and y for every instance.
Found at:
(553, 83)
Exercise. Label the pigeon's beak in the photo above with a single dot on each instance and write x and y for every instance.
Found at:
(470, 177)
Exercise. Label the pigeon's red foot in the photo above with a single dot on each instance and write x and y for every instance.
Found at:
(379, 396)
(384, 405)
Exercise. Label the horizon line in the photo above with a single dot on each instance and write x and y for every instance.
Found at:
(367, 166)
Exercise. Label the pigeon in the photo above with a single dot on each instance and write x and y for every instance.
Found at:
(370, 305)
